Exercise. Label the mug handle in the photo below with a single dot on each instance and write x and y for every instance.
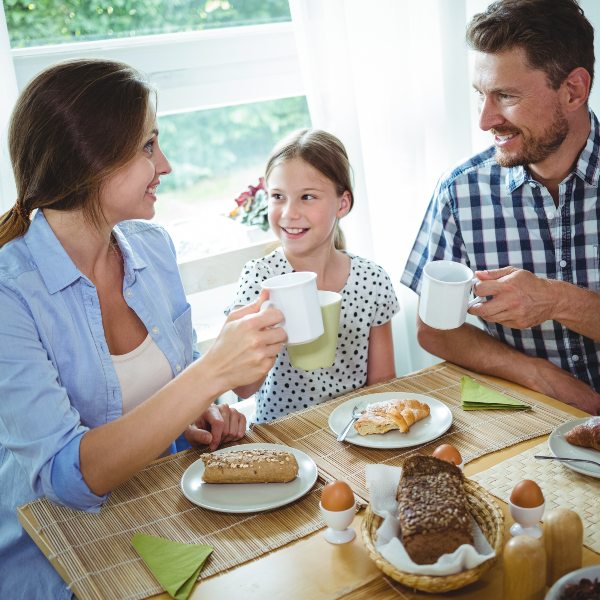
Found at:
(477, 299)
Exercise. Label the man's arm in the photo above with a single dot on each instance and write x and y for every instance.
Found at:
(521, 300)
(474, 349)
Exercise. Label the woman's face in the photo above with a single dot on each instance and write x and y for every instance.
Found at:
(131, 192)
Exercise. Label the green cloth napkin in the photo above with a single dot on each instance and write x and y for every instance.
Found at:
(176, 566)
(475, 396)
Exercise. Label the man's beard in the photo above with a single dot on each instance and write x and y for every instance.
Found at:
(535, 150)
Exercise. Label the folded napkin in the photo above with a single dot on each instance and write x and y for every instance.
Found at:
(176, 566)
(475, 396)
(382, 483)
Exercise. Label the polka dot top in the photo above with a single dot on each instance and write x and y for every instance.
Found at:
(368, 300)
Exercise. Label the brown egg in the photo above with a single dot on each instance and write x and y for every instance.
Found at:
(448, 453)
(337, 495)
(527, 494)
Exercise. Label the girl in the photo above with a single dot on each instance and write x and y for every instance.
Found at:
(96, 340)
(309, 182)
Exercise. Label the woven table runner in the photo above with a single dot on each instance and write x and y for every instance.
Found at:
(561, 487)
(95, 549)
(474, 433)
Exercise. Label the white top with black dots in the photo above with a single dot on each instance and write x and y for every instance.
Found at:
(368, 300)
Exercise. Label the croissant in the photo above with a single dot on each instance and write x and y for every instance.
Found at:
(391, 414)
(587, 434)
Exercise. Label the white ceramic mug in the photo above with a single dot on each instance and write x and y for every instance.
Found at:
(445, 292)
(296, 296)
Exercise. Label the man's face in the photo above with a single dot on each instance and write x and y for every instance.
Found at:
(518, 106)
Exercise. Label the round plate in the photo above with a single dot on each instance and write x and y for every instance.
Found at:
(248, 497)
(560, 447)
(437, 423)
(555, 592)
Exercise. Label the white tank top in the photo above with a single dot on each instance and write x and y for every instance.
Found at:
(141, 373)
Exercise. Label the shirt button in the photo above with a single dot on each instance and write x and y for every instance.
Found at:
(532, 184)
(178, 368)
(563, 263)
(128, 293)
(155, 330)
(575, 357)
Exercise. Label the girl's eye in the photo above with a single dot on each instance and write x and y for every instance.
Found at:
(149, 146)
(307, 197)
(276, 196)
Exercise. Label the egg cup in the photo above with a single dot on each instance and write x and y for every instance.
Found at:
(527, 520)
(338, 521)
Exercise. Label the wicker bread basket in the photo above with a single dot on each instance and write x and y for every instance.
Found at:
(488, 516)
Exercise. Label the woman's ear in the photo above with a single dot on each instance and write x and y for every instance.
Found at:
(345, 204)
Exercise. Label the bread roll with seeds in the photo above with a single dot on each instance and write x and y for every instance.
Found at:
(250, 466)
(432, 509)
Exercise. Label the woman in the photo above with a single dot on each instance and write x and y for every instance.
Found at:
(96, 371)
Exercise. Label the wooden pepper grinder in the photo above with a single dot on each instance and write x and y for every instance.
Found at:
(524, 569)
(563, 536)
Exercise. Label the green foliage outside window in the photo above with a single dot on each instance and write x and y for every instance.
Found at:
(38, 22)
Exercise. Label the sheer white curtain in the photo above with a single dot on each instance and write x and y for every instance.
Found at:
(8, 95)
(391, 80)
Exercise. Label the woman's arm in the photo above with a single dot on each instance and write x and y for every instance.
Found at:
(380, 365)
(244, 352)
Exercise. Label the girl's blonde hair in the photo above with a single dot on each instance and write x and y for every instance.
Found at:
(324, 152)
(74, 125)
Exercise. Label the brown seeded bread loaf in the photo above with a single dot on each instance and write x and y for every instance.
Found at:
(432, 509)
(250, 466)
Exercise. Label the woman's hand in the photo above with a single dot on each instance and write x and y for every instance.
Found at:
(217, 425)
(246, 348)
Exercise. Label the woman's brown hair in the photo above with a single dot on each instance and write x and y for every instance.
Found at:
(324, 152)
(74, 125)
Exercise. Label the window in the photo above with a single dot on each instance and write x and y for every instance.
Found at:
(41, 22)
(229, 86)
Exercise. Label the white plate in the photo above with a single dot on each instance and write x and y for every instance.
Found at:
(555, 592)
(429, 428)
(248, 497)
(560, 447)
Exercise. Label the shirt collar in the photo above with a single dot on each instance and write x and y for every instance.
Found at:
(56, 267)
(586, 168)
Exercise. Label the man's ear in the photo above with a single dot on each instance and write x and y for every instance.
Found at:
(345, 204)
(576, 87)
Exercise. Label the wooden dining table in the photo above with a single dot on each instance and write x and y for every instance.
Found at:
(311, 568)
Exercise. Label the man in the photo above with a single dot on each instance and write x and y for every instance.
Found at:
(525, 214)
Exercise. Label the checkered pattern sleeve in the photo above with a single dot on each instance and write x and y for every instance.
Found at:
(439, 236)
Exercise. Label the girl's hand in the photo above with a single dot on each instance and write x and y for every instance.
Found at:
(246, 348)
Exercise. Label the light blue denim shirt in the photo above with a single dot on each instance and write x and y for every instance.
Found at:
(57, 378)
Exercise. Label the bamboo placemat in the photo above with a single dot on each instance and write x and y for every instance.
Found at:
(560, 485)
(474, 433)
(95, 552)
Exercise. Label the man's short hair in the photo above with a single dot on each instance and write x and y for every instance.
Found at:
(555, 35)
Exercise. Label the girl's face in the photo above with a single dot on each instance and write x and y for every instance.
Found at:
(303, 206)
(131, 192)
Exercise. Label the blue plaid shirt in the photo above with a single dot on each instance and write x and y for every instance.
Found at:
(487, 217)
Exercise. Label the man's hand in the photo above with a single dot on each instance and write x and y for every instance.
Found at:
(520, 299)
(217, 425)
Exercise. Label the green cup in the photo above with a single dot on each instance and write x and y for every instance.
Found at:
(320, 353)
